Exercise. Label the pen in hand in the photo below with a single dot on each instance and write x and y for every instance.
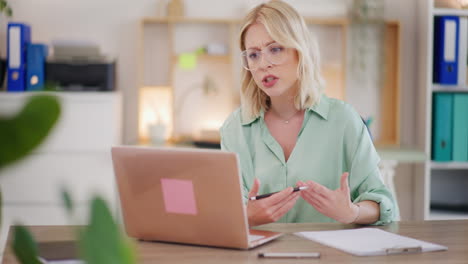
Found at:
(258, 197)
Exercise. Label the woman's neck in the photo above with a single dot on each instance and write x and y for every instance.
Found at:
(283, 106)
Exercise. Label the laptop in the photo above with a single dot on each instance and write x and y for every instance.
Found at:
(184, 195)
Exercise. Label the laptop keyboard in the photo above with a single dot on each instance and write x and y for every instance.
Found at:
(254, 237)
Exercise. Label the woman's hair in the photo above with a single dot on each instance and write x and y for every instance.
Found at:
(285, 26)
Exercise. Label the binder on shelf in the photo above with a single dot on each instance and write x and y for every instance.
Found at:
(460, 127)
(446, 38)
(462, 52)
(36, 57)
(442, 127)
(19, 36)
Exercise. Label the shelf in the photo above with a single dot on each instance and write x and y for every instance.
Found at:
(310, 20)
(327, 21)
(69, 96)
(447, 215)
(156, 87)
(207, 57)
(433, 172)
(450, 165)
(449, 88)
(402, 154)
(157, 20)
(450, 12)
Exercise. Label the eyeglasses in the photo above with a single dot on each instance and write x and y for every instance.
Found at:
(274, 54)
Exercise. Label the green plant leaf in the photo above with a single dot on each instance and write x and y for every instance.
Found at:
(67, 201)
(9, 12)
(22, 133)
(1, 208)
(102, 241)
(24, 246)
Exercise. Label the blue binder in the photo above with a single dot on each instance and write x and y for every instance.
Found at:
(446, 38)
(19, 36)
(442, 124)
(35, 73)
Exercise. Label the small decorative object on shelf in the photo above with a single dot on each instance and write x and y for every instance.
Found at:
(368, 17)
(5, 8)
(175, 8)
(457, 4)
(157, 132)
(367, 39)
(366, 11)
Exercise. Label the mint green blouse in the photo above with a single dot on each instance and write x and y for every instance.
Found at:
(333, 139)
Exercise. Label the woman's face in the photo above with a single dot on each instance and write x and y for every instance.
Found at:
(274, 79)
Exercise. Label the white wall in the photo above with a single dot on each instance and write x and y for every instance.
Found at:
(113, 24)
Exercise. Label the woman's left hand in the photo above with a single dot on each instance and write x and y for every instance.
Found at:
(335, 204)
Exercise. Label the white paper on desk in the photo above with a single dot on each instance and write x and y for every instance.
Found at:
(367, 241)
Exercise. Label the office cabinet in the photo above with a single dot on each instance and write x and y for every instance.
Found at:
(437, 178)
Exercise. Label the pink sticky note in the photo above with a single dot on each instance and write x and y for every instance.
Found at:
(178, 196)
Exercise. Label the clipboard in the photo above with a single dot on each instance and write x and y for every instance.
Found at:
(370, 242)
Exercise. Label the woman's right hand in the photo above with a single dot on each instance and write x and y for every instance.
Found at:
(270, 209)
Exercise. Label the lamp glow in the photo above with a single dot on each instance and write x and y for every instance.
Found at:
(155, 109)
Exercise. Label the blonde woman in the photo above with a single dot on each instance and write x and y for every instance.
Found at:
(288, 134)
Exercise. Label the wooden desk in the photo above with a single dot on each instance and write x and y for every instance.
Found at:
(451, 233)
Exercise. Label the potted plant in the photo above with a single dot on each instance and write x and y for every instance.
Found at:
(40, 114)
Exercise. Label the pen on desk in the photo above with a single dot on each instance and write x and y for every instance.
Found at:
(289, 255)
(296, 189)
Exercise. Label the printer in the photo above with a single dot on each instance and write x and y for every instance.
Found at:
(80, 67)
